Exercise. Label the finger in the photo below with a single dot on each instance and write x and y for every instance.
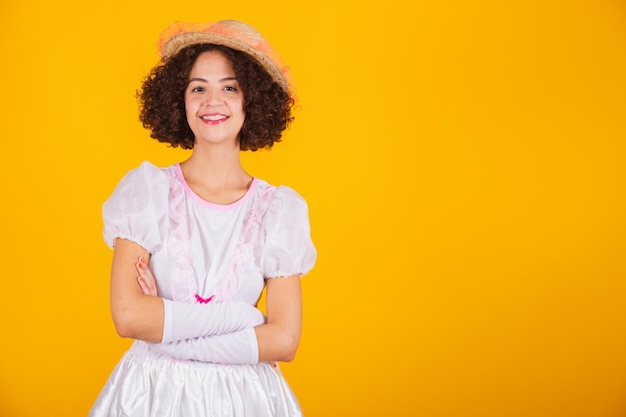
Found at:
(146, 279)
(142, 267)
(142, 284)
(143, 270)
(141, 263)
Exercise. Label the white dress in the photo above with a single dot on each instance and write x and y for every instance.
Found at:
(201, 250)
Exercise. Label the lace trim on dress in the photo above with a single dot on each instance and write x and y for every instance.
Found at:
(183, 281)
(248, 238)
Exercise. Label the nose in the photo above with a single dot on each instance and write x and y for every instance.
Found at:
(212, 97)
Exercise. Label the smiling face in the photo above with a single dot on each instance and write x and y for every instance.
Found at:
(213, 100)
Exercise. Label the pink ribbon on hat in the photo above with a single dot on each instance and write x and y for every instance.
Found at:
(220, 28)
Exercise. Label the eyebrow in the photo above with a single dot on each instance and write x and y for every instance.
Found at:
(205, 81)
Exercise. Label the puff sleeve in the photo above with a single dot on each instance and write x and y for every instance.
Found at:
(288, 248)
(137, 209)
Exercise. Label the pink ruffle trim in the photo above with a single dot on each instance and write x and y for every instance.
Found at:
(184, 286)
(250, 232)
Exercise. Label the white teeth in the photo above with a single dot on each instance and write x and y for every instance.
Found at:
(213, 117)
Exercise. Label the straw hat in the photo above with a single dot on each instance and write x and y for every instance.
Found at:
(233, 34)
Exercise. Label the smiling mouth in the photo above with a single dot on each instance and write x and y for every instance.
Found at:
(213, 117)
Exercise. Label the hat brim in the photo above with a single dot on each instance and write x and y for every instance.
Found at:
(255, 46)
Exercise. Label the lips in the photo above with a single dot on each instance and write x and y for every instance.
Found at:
(213, 118)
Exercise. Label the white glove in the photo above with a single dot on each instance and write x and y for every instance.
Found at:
(186, 321)
(234, 348)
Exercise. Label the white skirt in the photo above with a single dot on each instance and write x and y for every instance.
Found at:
(145, 384)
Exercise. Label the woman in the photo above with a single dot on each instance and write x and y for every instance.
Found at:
(195, 243)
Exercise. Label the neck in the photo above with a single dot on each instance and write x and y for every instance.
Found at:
(215, 167)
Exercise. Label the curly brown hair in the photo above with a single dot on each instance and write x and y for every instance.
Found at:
(267, 106)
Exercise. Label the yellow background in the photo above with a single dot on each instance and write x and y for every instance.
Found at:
(464, 166)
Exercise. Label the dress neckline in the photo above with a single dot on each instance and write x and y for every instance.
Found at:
(191, 193)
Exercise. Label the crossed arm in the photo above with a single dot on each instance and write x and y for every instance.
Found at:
(139, 314)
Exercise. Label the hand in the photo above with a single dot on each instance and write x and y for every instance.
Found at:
(146, 280)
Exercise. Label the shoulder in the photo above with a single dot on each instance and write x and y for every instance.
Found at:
(287, 193)
(135, 208)
(285, 206)
(141, 186)
(282, 195)
(288, 200)
(146, 174)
